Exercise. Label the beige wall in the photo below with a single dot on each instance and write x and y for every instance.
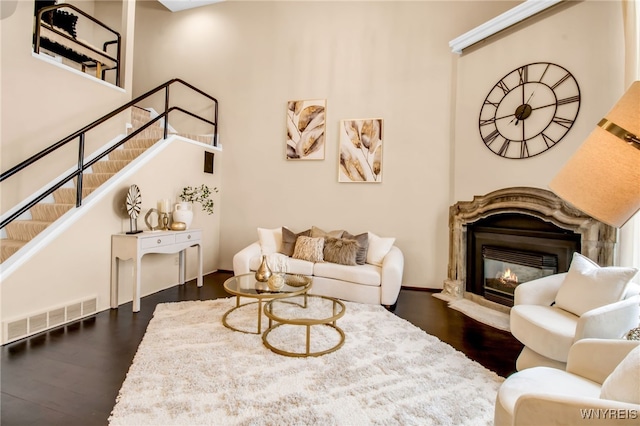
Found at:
(41, 104)
(368, 59)
(586, 38)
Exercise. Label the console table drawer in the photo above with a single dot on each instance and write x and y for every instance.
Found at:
(157, 241)
(184, 237)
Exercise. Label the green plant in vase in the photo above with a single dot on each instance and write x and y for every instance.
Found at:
(199, 194)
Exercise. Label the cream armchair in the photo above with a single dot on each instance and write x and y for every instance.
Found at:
(601, 385)
(550, 314)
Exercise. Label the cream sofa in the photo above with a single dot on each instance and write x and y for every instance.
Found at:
(377, 281)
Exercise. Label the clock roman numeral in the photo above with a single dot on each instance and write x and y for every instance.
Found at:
(564, 122)
(503, 148)
(523, 73)
(488, 140)
(494, 104)
(562, 80)
(569, 100)
(524, 150)
(502, 85)
(548, 141)
(491, 120)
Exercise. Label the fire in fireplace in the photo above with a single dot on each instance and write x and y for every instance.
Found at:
(505, 269)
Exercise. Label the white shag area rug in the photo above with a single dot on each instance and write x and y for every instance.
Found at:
(191, 370)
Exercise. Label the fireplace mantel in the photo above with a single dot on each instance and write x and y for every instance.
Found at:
(597, 239)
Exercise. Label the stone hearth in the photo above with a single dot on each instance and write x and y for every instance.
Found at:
(596, 238)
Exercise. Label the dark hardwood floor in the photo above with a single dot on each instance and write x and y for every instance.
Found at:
(72, 375)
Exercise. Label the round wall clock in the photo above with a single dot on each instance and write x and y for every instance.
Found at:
(529, 110)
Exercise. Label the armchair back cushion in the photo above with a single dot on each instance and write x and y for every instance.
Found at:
(623, 384)
(588, 286)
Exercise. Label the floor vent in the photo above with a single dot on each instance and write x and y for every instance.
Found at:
(41, 321)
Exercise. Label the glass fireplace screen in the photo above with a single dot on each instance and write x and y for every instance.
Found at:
(505, 269)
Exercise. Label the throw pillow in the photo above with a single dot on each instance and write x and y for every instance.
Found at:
(340, 250)
(588, 286)
(308, 248)
(363, 246)
(289, 240)
(270, 240)
(623, 384)
(378, 248)
(319, 233)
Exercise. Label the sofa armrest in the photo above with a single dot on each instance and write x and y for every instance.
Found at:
(539, 292)
(595, 359)
(391, 276)
(539, 409)
(241, 259)
(611, 321)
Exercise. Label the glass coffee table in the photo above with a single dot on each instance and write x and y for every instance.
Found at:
(307, 311)
(246, 286)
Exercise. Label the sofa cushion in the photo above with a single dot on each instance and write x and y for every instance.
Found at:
(360, 274)
(289, 239)
(623, 384)
(378, 248)
(309, 248)
(547, 330)
(319, 233)
(340, 250)
(363, 246)
(588, 286)
(270, 240)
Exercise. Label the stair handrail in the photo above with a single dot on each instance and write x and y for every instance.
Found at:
(80, 135)
(45, 9)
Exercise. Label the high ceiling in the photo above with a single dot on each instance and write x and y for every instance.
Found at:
(178, 5)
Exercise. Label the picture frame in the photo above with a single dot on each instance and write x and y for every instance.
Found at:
(306, 129)
(360, 150)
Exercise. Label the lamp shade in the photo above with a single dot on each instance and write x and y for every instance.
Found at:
(603, 177)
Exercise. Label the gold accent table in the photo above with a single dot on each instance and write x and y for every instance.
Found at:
(245, 286)
(315, 310)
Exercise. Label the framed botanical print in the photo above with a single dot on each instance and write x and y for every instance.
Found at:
(360, 153)
(306, 129)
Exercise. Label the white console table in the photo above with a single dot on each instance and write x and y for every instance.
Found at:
(134, 246)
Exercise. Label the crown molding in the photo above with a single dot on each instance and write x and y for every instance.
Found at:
(510, 17)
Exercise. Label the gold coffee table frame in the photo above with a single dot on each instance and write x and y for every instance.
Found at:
(245, 286)
(329, 321)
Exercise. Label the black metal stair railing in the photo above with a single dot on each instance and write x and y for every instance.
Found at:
(80, 136)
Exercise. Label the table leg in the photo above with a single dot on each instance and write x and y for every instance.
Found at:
(115, 271)
(308, 339)
(136, 285)
(199, 279)
(181, 267)
(259, 316)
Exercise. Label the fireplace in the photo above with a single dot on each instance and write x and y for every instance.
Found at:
(529, 230)
(508, 249)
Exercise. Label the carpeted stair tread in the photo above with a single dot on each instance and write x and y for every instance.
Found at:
(94, 180)
(109, 166)
(8, 247)
(25, 230)
(126, 154)
(68, 195)
(140, 143)
(49, 212)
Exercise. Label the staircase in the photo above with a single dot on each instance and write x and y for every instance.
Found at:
(43, 214)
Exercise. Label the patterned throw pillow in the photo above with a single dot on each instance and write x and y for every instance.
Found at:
(363, 246)
(308, 248)
(340, 250)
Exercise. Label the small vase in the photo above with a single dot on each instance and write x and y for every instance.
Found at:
(264, 272)
(183, 212)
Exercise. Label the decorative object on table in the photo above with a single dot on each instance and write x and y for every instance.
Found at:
(189, 195)
(601, 178)
(164, 208)
(276, 281)
(133, 202)
(360, 153)
(529, 110)
(306, 129)
(263, 272)
(633, 334)
(296, 280)
(147, 220)
(178, 226)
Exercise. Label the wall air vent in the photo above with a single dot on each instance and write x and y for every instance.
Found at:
(20, 328)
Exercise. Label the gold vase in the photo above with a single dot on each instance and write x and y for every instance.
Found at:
(264, 272)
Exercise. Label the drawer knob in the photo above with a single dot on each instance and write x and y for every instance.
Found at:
(159, 241)
(189, 237)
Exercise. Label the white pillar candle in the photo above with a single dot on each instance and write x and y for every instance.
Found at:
(164, 206)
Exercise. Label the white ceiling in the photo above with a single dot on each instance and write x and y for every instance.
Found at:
(178, 5)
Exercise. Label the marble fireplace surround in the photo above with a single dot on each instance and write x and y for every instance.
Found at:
(597, 239)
